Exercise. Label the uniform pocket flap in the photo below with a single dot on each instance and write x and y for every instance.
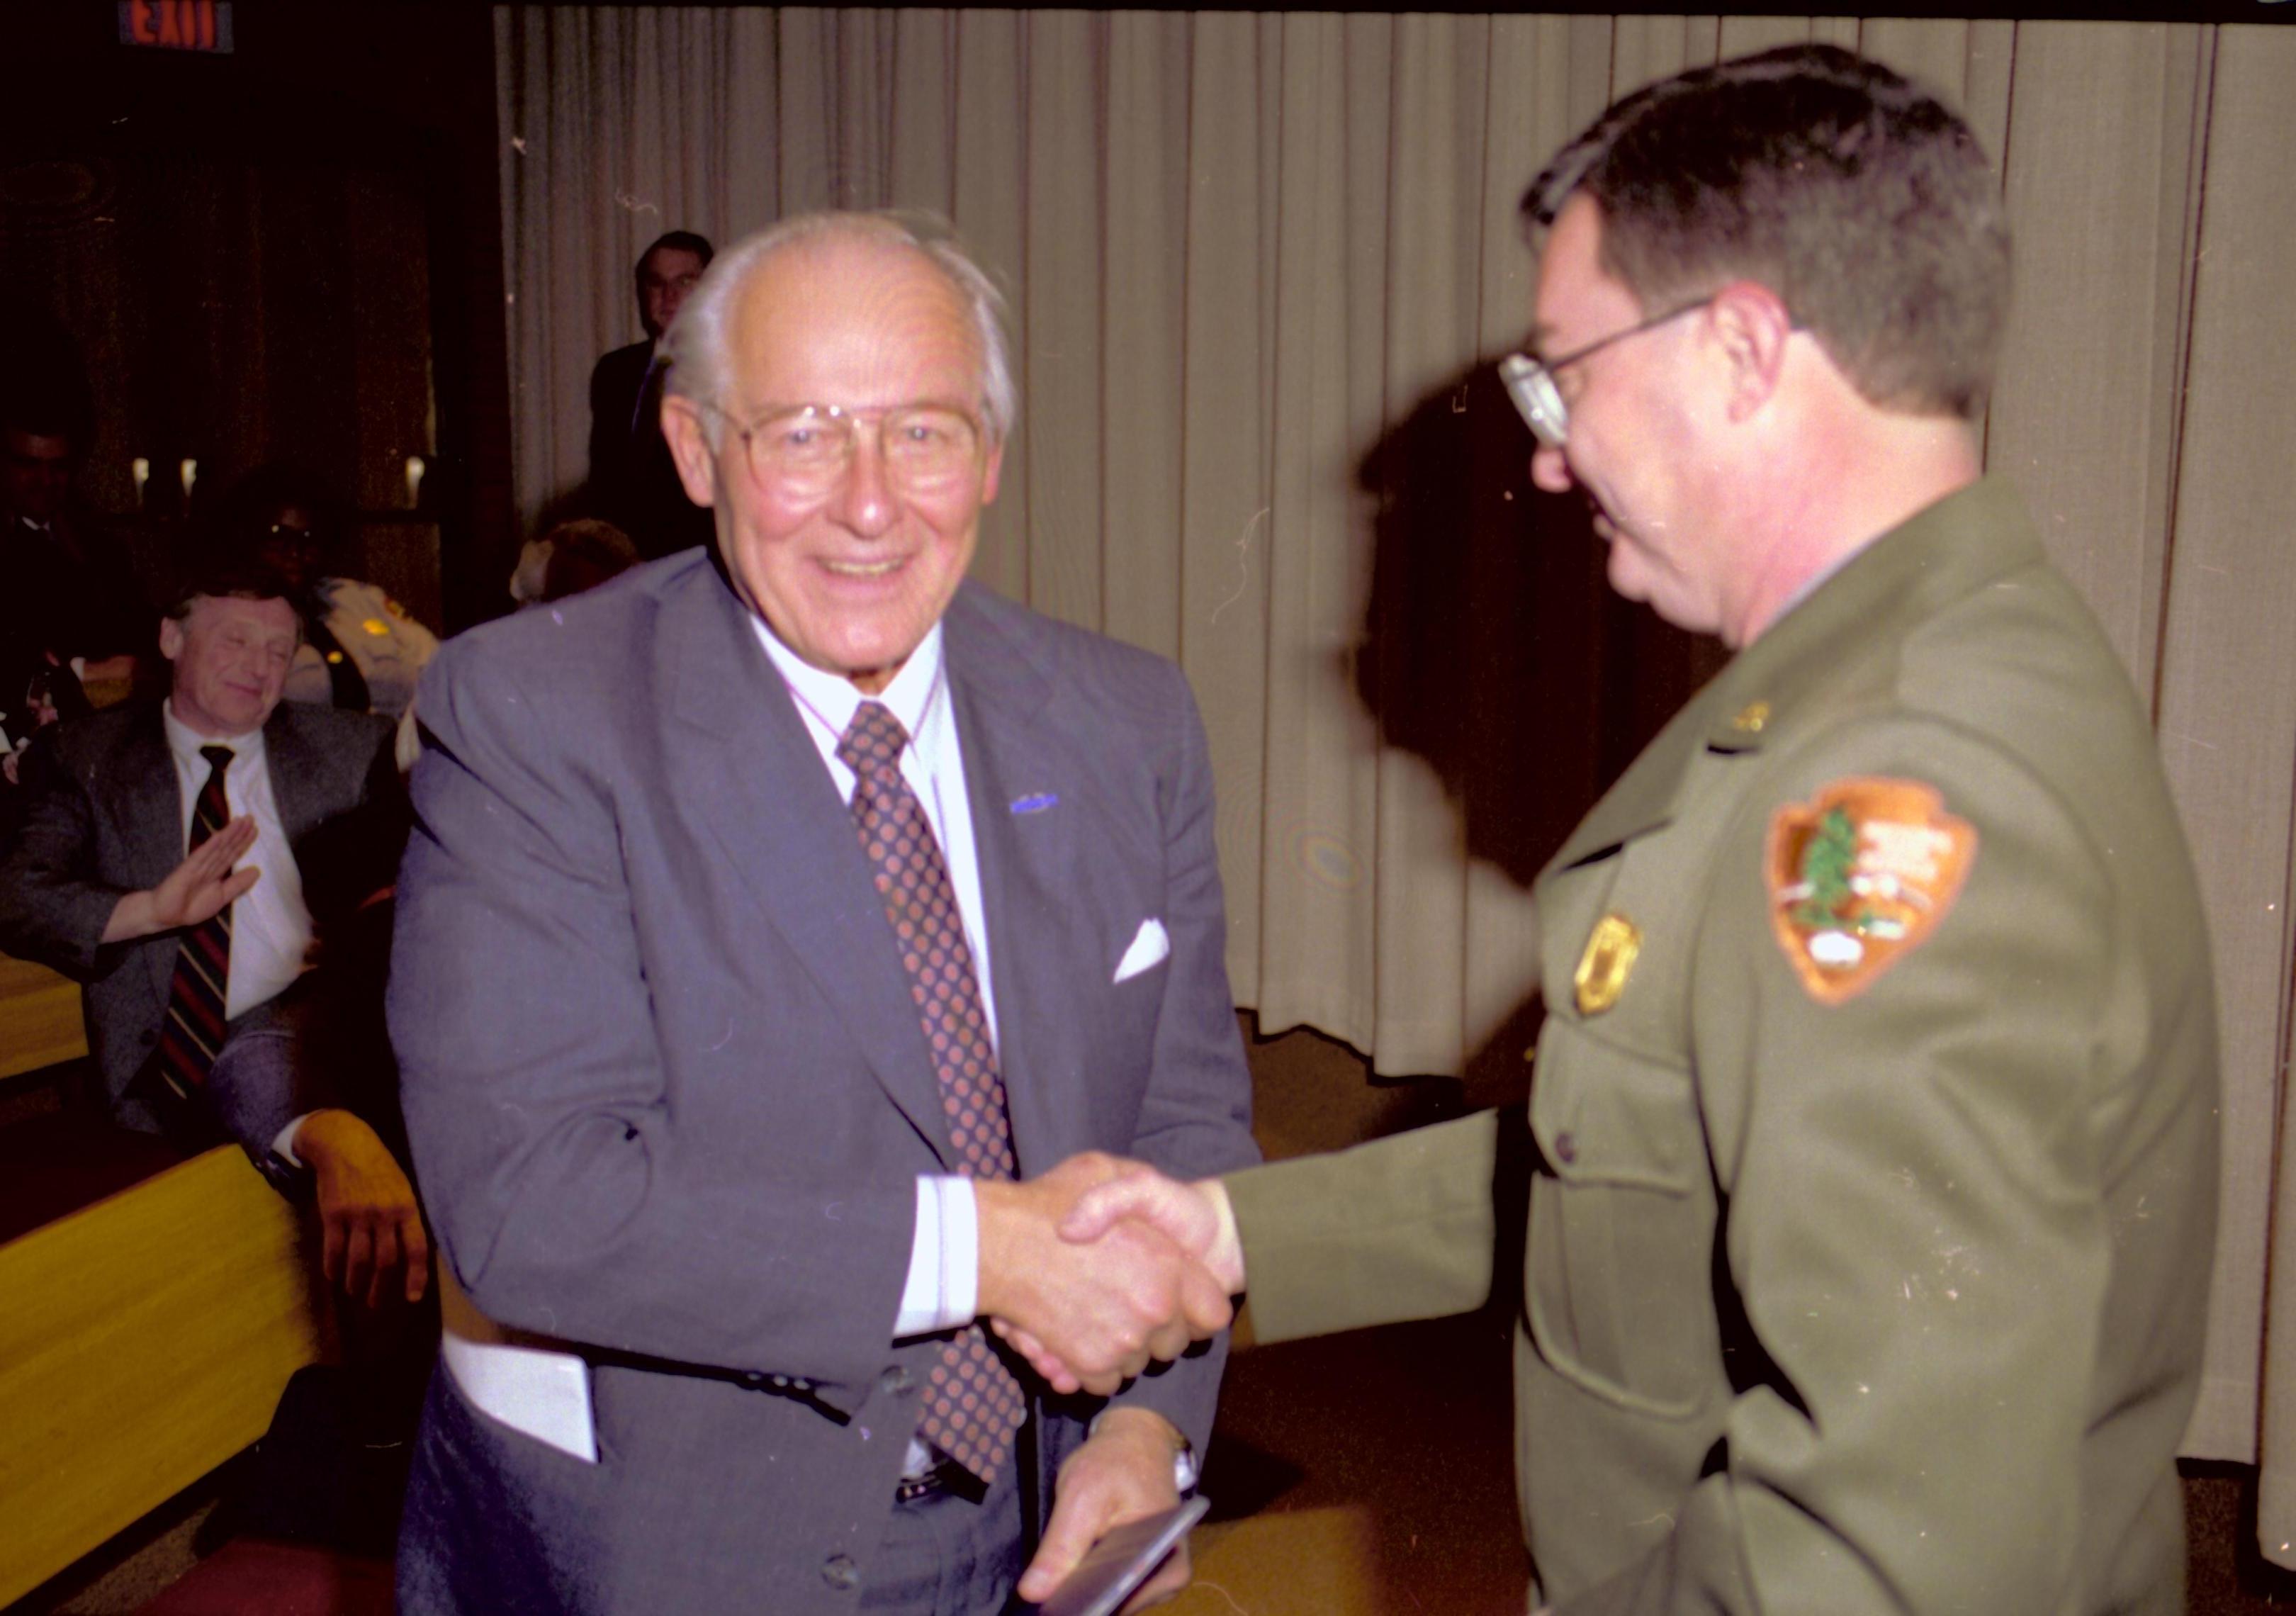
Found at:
(1603, 1115)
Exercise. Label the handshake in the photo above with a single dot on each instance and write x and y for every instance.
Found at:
(1103, 1264)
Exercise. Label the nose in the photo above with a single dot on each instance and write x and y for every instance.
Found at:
(863, 502)
(1550, 471)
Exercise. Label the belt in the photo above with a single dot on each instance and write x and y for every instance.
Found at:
(946, 1480)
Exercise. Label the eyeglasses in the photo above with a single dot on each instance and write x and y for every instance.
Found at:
(1530, 383)
(802, 452)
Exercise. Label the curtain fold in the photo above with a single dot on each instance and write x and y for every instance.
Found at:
(1259, 265)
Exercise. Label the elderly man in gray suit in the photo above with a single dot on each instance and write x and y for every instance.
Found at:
(181, 859)
(773, 920)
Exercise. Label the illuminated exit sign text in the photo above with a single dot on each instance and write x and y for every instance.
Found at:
(176, 25)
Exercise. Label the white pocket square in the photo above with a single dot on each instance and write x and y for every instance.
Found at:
(1150, 945)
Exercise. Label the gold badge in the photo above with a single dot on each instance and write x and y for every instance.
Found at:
(1610, 958)
(1859, 878)
(1752, 717)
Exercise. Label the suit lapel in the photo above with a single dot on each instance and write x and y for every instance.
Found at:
(757, 781)
(1643, 798)
(1026, 858)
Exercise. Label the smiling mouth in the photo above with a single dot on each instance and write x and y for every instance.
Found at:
(862, 568)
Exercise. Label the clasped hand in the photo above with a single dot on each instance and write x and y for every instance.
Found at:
(1102, 1265)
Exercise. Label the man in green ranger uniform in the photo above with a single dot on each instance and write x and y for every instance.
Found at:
(1874, 1177)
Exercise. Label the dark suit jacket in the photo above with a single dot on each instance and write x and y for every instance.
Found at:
(632, 481)
(102, 815)
(667, 1089)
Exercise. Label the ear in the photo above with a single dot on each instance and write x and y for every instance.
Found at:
(994, 470)
(1753, 325)
(171, 638)
(689, 449)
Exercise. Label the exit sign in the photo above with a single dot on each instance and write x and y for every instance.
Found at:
(176, 25)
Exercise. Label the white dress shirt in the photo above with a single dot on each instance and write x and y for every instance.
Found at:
(270, 927)
(270, 924)
(943, 1286)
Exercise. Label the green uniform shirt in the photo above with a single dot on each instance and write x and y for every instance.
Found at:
(1875, 1186)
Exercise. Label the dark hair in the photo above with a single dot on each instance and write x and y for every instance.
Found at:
(1856, 196)
(222, 574)
(676, 240)
(242, 518)
(44, 388)
(584, 554)
(254, 503)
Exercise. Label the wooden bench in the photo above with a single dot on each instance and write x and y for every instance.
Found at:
(40, 1018)
(146, 1334)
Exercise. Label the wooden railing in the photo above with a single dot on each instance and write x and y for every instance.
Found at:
(151, 1308)
(145, 1340)
(40, 1018)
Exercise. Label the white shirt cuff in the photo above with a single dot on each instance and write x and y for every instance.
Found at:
(282, 1143)
(944, 1284)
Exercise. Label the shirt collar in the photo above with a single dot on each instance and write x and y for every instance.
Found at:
(185, 742)
(913, 696)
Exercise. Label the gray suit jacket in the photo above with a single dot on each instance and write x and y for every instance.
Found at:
(100, 814)
(668, 1093)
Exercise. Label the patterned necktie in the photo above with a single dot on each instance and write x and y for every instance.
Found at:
(972, 1403)
(196, 996)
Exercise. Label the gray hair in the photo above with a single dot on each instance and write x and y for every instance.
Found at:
(696, 342)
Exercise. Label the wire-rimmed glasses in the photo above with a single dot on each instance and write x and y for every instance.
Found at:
(1530, 383)
(804, 450)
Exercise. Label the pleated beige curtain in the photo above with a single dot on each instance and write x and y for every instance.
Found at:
(1258, 264)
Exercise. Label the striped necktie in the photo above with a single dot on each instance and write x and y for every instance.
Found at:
(198, 994)
(972, 1402)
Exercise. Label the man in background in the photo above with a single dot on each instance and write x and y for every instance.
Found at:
(1873, 1148)
(182, 859)
(633, 484)
(72, 614)
(775, 919)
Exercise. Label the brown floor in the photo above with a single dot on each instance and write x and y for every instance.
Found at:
(1359, 1475)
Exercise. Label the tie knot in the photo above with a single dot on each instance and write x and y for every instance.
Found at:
(872, 743)
(218, 757)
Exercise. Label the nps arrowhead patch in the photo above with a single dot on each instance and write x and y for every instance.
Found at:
(1859, 877)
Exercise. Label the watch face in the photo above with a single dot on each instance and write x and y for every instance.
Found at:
(1184, 1471)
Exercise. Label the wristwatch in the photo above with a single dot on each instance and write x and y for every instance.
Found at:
(1185, 1471)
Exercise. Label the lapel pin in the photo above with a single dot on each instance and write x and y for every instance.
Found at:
(1036, 802)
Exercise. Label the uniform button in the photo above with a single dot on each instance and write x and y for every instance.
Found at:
(754, 1378)
(839, 1572)
(896, 1382)
(1566, 1148)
